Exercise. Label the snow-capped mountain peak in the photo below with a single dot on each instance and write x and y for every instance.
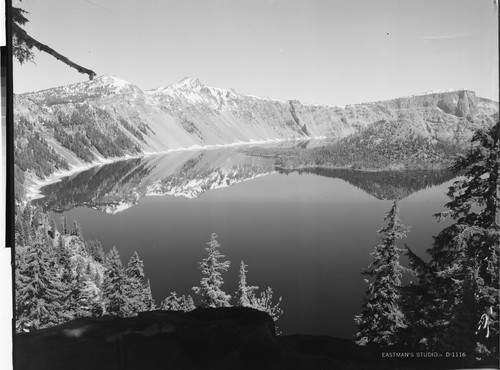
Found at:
(110, 80)
(190, 90)
(187, 83)
(110, 84)
(190, 83)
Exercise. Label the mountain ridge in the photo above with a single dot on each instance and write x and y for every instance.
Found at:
(195, 82)
(108, 117)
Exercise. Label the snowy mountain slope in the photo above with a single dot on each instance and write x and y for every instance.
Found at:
(111, 118)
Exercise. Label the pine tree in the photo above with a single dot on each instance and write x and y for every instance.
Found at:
(245, 295)
(211, 282)
(53, 229)
(27, 214)
(39, 290)
(26, 220)
(175, 303)
(19, 231)
(187, 303)
(95, 250)
(421, 304)
(80, 296)
(115, 286)
(149, 302)
(76, 301)
(21, 280)
(465, 255)
(381, 318)
(76, 229)
(64, 259)
(64, 225)
(135, 267)
(136, 288)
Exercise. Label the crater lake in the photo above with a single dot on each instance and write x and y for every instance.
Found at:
(306, 233)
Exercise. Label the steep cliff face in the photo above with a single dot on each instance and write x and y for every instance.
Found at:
(109, 117)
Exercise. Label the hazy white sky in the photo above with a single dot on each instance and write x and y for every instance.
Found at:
(317, 51)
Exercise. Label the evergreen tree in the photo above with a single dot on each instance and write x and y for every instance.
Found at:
(80, 298)
(21, 280)
(245, 295)
(421, 303)
(135, 267)
(53, 229)
(95, 250)
(75, 302)
(39, 219)
(64, 259)
(149, 302)
(64, 225)
(26, 220)
(136, 288)
(210, 285)
(27, 214)
(76, 229)
(464, 256)
(19, 231)
(175, 303)
(115, 286)
(187, 303)
(39, 290)
(381, 318)
(59, 242)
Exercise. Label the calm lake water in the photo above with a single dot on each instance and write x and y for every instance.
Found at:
(306, 234)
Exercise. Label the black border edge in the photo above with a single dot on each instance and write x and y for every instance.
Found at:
(9, 119)
(7, 77)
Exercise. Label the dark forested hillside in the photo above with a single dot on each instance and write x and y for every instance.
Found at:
(383, 145)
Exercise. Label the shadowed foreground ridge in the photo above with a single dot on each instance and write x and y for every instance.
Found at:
(220, 338)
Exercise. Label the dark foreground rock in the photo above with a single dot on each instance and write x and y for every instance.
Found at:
(223, 338)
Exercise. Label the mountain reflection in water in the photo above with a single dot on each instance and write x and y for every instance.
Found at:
(114, 187)
(383, 185)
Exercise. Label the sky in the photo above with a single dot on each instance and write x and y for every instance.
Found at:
(332, 52)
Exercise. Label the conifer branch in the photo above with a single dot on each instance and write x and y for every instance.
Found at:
(23, 37)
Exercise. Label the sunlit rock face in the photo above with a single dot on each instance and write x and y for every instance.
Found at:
(109, 117)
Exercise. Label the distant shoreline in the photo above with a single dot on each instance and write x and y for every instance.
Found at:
(399, 168)
(33, 189)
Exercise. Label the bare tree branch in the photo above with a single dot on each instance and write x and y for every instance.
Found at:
(22, 36)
